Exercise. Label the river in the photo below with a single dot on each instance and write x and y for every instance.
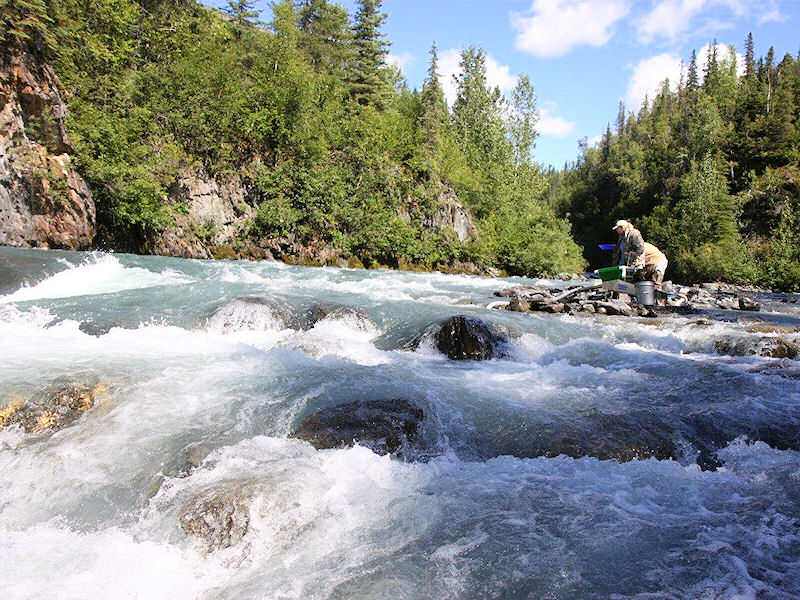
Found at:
(514, 494)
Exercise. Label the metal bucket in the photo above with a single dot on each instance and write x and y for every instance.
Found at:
(646, 293)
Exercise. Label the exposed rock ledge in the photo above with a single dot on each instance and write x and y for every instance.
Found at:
(44, 202)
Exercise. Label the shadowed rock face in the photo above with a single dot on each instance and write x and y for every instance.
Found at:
(219, 520)
(54, 409)
(467, 338)
(384, 426)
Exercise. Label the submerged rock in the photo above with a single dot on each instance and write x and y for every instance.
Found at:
(467, 338)
(384, 426)
(747, 303)
(219, 520)
(331, 310)
(770, 347)
(54, 409)
(251, 313)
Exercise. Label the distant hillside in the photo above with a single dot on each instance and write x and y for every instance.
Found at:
(710, 173)
(197, 133)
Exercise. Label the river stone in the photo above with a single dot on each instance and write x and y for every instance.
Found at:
(615, 307)
(467, 338)
(324, 310)
(217, 521)
(770, 328)
(770, 347)
(383, 426)
(746, 303)
(54, 409)
(251, 313)
(518, 305)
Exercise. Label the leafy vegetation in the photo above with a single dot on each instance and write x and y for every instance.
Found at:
(709, 172)
(331, 145)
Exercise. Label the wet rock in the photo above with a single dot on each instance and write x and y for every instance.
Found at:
(747, 303)
(55, 408)
(467, 338)
(604, 436)
(219, 520)
(251, 313)
(330, 310)
(770, 328)
(614, 307)
(384, 426)
(770, 347)
(522, 291)
(519, 305)
(728, 303)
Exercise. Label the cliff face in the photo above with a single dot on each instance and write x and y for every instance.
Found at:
(44, 202)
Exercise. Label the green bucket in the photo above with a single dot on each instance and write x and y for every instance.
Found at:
(611, 273)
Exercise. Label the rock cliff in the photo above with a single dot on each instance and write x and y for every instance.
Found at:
(44, 202)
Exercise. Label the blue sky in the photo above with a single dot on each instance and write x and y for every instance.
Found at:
(583, 56)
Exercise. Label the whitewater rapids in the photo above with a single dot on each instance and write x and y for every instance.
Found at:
(94, 510)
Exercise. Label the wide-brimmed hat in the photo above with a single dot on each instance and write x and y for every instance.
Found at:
(621, 223)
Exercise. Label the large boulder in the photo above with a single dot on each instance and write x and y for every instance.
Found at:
(468, 338)
(385, 426)
(53, 409)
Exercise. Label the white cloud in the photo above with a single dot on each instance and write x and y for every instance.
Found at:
(554, 27)
(449, 69)
(497, 75)
(668, 19)
(594, 142)
(551, 125)
(649, 73)
(647, 77)
(723, 55)
(401, 61)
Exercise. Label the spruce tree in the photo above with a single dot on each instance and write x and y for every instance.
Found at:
(368, 83)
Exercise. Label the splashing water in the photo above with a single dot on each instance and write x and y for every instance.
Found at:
(569, 469)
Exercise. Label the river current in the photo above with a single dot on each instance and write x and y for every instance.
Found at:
(491, 508)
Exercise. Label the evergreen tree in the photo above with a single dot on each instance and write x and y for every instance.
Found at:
(434, 107)
(369, 84)
(242, 12)
(25, 24)
(327, 37)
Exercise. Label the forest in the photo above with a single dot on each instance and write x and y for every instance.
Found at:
(335, 148)
(708, 171)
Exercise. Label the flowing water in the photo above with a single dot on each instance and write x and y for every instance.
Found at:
(515, 492)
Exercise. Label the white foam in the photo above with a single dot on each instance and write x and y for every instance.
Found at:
(99, 274)
(106, 564)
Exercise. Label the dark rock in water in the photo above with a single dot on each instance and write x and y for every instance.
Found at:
(468, 338)
(219, 520)
(251, 313)
(770, 347)
(384, 426)
(746, 303)
(603, 436)
(325, 310)
(95, 329)
(55, 408)
(615, 307)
